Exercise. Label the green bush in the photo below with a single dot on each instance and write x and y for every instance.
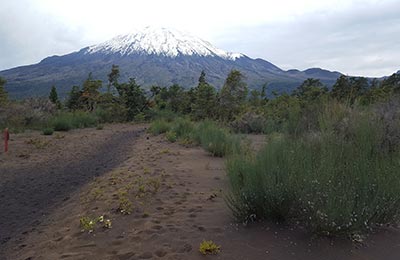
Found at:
(159, 126)
(216, 140)
(62, 123)
(48, 131)
(183, 128)
(340, 180)
(68, 121)
(171, 136)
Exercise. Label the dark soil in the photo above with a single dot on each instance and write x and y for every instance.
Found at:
(28, 195)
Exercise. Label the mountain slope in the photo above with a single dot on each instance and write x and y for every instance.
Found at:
(154, 57)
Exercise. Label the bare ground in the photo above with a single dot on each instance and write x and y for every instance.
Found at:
(176, 197)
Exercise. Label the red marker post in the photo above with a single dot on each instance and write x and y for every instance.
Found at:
(6, 138)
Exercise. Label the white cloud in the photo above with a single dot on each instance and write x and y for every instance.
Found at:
(284, 32)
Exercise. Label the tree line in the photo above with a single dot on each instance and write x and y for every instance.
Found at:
(126, 101)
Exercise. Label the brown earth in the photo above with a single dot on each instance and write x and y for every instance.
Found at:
(174, 196)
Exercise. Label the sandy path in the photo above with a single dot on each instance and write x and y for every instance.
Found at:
(31, 189)
(177, 197)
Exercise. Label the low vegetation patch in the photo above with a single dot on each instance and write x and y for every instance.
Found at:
(48, 131)
(68, 121)
(341, 180)
(159, 127)
(209, 248)
(212, 137)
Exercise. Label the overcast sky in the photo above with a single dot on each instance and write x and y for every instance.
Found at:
(351, 36)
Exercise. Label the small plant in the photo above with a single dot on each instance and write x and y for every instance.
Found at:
(107, 223)
(171, 136)
(100, 127)
(87, 224)
(125, 205)
(154, 183)
(146, 170)
(159, 127)
(165, 151)
(38, 143)
(59, 136)
(209, 248)
(48, 131)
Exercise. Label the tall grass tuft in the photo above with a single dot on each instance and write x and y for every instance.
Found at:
(215, 139)
(68, 121)
(339, 180)
(159, 126)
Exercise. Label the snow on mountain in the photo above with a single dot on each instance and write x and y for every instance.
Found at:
(160, 41)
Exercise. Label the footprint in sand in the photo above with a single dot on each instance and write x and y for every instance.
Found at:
(126, 256)
(146, 255)
(160, 253)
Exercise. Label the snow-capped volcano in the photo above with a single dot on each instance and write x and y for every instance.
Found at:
(154, 57)
(160, 41)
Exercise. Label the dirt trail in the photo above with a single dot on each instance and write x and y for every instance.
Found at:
(29, 192)
(176, 197)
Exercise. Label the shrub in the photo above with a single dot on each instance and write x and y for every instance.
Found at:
(250, 122)
(62, 123)
(48, 131)
(183, 128)
(216, 140)
(209, 248)
(336, 181)
(171, 136)
(159, 126)
(68, 121)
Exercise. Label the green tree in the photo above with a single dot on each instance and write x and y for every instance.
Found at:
(53, 97)
(113, 77)
(349, 89)
(392, 83)
(73, 101)
(310, 90)
(3, 92)
(90, 93)
(233, 95)
(133, 97)
(204, 101)
(175, 94)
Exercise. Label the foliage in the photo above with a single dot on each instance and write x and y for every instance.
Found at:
(339, 180)
(250, 122)
(159, 126)
(171, 136)
(66, 121)
(233, 95)
(31, 113)
(204, 100)
(133, 97)
(48, 131)
(73, 98)
(53, 97)
(3, 93)
(90, 93)
(216, 140)
(209, 248)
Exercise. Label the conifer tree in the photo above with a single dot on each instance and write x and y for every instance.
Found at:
(53, 97)
(233, 95)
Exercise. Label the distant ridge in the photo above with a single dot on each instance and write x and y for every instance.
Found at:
(154, 56)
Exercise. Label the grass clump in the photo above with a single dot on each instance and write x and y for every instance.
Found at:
(341, 180)
(209, 248)
(87, 224)
(171, 136)
(68, 121)
(48, 131)
(159, 126)
(215, 139)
